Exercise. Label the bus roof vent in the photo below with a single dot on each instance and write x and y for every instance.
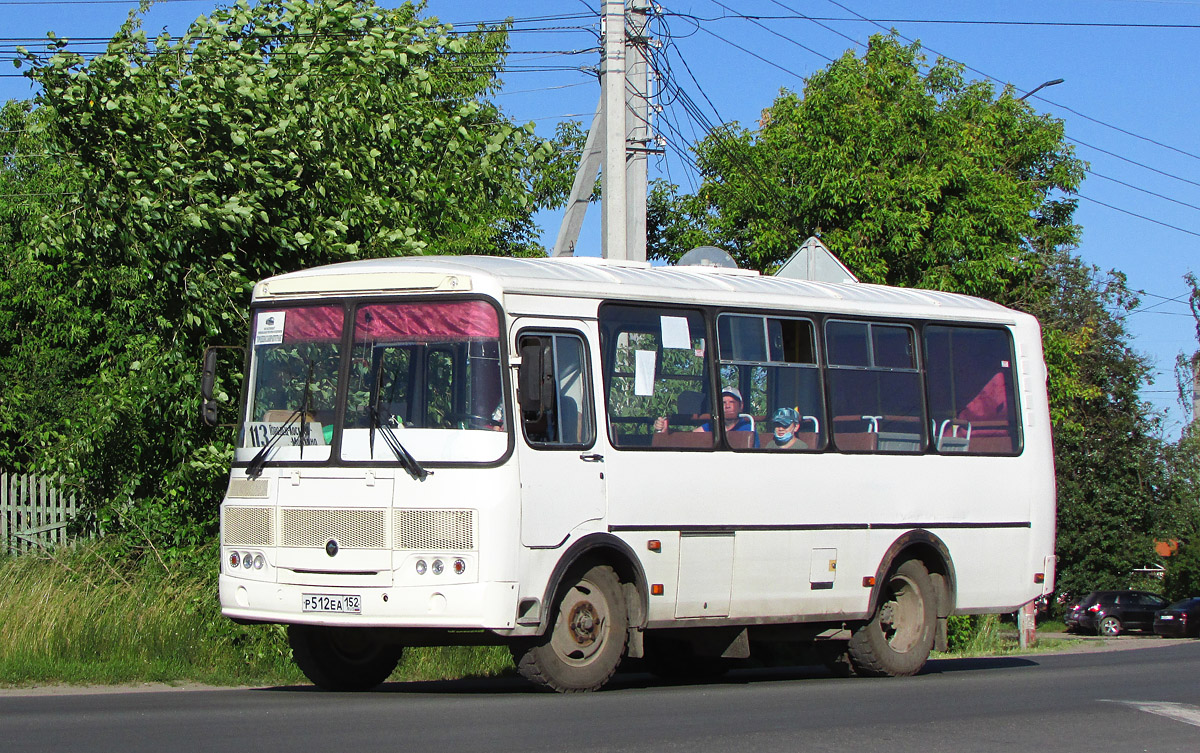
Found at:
(815, 262)
(707, 256)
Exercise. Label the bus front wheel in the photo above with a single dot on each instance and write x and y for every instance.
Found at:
(582, 649)
(342, 658)
(898, 639)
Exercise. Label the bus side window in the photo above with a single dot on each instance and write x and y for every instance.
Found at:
(874, 387)
(969, 381)
(655, 368)
(554, 390)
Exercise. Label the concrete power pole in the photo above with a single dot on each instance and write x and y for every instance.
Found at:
(618, 142)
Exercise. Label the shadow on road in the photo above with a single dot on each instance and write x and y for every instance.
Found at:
(636, 680)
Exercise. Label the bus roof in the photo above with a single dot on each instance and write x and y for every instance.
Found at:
(590, 277)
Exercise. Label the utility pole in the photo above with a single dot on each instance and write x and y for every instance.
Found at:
(619, 141)
(612, 225)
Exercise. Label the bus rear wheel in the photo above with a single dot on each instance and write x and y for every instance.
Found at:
(584, 646)
(342, 659)
(898, 639)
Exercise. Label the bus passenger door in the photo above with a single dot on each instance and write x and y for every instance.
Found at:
(562, 469)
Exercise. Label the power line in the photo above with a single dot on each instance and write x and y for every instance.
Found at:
(1139, 216)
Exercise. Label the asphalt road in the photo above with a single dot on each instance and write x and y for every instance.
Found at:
(1147, 699)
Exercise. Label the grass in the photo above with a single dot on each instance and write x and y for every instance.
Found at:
(77, 616)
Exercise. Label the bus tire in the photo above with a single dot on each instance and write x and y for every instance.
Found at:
(342, 659)
(583, 647)
(898, 639)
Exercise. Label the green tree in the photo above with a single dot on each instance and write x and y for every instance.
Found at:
(913, 177)
(265, 139)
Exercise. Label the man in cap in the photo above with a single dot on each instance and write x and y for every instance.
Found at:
(731, 408)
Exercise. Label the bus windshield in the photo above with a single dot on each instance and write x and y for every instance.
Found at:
(426, 373)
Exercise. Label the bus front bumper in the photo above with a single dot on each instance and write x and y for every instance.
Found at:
(487, 605)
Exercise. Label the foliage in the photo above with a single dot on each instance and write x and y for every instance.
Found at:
(267, 138)
(1182, 577)
(913, 178)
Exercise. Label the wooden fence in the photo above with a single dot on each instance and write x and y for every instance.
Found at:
(34, 512)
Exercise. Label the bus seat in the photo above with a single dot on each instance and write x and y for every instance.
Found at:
(741, 440)
(683, 439)
(856, 441)
(987, 444)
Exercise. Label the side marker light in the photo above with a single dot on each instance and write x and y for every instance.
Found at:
(869, 581)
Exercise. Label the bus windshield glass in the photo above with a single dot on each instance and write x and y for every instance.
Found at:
(293, 385)
(428, 373)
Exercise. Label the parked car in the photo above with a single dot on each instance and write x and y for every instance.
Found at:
(1180, 620)
(1113, 612)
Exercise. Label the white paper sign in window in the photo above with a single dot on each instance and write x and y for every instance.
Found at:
(675, 332)
(643, 375)
(270, 328)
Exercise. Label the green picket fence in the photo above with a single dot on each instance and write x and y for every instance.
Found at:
(35, 511)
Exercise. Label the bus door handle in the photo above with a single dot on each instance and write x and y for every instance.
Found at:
(592, 458)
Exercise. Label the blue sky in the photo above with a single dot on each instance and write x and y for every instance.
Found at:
(1130, 99)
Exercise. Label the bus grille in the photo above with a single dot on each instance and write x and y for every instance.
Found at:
(353, 529)
(435, 529)
(248, 526)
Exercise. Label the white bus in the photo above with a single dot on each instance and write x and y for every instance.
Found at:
(587, 460)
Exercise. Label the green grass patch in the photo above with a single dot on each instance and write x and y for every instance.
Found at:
(79, 616)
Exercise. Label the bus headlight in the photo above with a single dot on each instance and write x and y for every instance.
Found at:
(421, 567)
(259, 561)
(437, 567)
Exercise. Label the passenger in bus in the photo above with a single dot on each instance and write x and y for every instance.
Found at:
(731, 406)
(787, 427)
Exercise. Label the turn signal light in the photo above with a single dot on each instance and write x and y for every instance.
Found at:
(869, 581)
(654, 545)
(1039, 577)
(656, 589)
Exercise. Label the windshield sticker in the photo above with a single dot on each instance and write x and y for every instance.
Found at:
(269, 330)
(675, 332)
(643, 380)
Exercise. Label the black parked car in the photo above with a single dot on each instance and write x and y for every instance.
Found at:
(1180, 620)
(1113, 612)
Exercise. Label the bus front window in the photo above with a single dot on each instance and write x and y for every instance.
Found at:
(430, 371)
(293, 382)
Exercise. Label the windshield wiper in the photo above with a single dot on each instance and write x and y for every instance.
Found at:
(415, 469)
(255, 467)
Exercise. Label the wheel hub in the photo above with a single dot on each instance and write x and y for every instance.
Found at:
(583, 623)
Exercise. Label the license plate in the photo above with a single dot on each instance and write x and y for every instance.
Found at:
(333, 603)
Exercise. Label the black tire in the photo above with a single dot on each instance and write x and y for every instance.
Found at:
(583, 647)
(342, 659)
(898, 639)
(1109, 627)
(675, 660)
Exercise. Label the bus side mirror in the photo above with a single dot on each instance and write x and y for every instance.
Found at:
(209, 410)
(210, 406)
(533, 378)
